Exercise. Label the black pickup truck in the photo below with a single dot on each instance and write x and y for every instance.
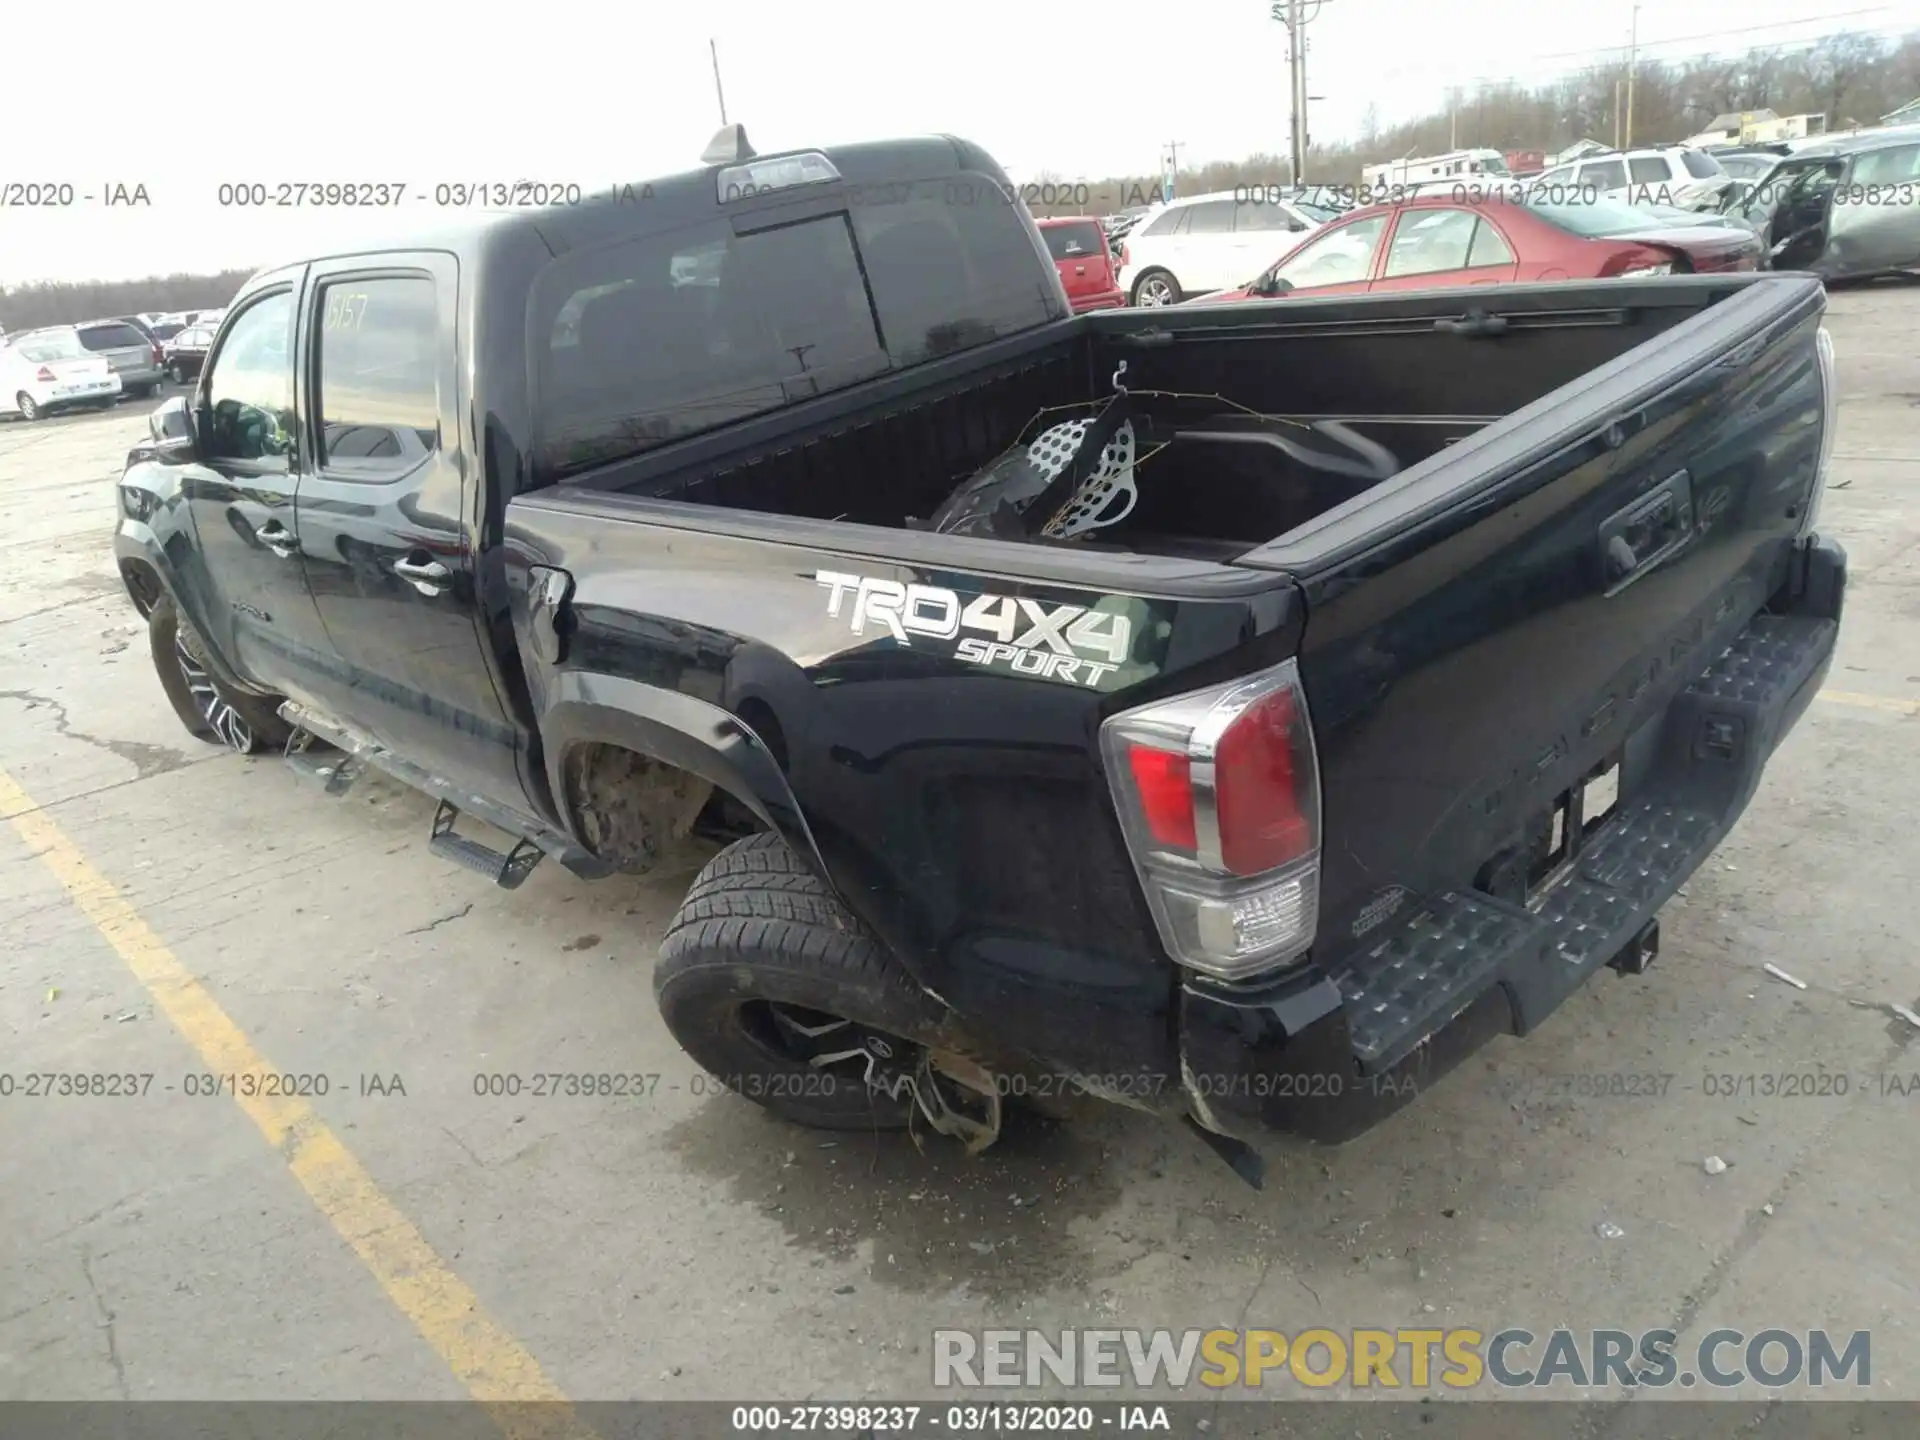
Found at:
(1237, 712)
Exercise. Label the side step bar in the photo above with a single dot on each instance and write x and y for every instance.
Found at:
(353, 754)
(507, 871)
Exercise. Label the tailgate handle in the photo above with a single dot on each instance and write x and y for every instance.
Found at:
(1635, 539)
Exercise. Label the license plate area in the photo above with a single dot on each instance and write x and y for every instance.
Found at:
(1577, 813)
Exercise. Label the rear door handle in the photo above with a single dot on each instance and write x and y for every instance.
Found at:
(277, 538)
(429, 577)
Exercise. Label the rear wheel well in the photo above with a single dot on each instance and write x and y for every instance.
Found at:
(628, 808)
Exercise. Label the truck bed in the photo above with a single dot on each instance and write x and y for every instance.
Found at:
(1397, 372)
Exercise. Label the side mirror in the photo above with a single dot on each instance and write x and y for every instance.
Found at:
(1296, 225)
(171, 426)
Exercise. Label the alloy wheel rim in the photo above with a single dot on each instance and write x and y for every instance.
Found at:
(226, 721)
(832, 1043)
(1155, 292)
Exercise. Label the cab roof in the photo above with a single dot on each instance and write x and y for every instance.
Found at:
(650, 205)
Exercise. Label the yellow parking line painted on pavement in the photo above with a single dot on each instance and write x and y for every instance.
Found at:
(1871, 702)
(497, 1370)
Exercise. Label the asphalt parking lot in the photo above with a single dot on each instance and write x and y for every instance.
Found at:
(173, 910)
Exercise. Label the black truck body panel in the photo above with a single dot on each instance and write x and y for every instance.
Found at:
(1473, 647)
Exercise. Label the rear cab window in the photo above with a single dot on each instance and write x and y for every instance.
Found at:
(1700, 165)
(656, 337)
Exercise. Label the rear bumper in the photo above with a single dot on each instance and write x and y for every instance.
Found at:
(135, 376)
(1324, 1054)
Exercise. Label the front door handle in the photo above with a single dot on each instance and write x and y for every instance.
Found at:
(277, 538)
(429, 577)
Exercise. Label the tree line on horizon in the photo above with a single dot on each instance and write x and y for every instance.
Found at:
(67, 302)
(1852, 79)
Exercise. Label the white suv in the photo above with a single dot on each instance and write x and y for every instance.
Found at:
(1202, 243)
(1658, 175)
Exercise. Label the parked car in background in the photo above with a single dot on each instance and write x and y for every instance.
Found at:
(1119, 225)
(1749, 164)
(1201, 243)
(186, 352)
(1080, 252)
(46, 370)
(1848, 209)
(133, 354)
(1436, 241)
(1662, 174)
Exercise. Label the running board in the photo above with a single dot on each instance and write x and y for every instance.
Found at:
(507, 871)
(355, 753)
(333, 770)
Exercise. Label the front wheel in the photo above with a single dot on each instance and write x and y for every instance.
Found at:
(28, 407)
(783, 997)
(210, 711)
(176, 373)
(1156, 287)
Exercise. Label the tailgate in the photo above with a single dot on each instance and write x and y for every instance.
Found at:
(1531, 724)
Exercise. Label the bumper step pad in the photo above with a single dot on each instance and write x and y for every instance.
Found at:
(1718, 732)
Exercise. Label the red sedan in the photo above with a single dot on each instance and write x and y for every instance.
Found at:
(1441, 240)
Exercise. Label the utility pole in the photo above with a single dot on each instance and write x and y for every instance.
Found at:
(713, 49)
(1170, 169)
(1616, 113)
(1293, 14)
(1633, 60)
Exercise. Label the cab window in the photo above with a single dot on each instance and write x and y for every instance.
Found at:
(250, 387)
(379, 351)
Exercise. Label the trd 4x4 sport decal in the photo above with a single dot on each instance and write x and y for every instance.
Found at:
(1028, 637)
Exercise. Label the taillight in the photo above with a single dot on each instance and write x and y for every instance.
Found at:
(1218, 793)
(158, 359)
(43, 375)
(1123, 255)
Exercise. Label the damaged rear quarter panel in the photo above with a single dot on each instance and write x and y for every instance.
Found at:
(951, 791)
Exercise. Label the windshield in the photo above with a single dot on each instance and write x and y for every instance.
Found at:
(1318, 213)
(62, 345)
(1592, 217)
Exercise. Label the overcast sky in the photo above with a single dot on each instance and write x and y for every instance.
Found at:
(590, 92)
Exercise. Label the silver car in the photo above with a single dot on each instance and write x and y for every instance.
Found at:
(128, 353)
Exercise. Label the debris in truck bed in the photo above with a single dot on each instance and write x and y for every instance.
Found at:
(1779, 974)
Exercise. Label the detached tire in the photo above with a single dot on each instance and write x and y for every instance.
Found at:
(764, 973)
(249, 724)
